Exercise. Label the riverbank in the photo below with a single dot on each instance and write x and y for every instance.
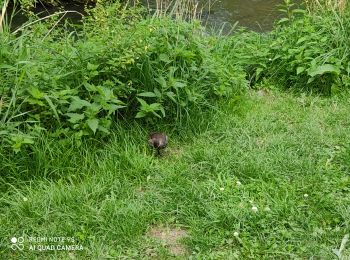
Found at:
(258, 159)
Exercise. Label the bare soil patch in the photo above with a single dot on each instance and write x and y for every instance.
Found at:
(170, 237)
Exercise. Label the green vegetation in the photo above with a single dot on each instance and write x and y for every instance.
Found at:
(119, 65)
(280, 147)
(258, 162)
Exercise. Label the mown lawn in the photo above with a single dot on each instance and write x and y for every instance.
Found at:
(266, 176)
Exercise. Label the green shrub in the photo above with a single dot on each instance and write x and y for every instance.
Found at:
(312, 52)
(119, 63)
(304, 52)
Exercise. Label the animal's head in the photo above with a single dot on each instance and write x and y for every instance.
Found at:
(153, 142)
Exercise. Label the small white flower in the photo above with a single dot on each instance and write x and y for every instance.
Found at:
(239, 183)
(270, 59)
(306, 195)
(14, 240)
(222, 189)
(235, 234)
(254, 209)
(25, 199)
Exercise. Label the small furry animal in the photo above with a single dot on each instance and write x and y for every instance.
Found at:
(158, 141)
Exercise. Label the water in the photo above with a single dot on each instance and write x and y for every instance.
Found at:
(43, 11)
(258, 15)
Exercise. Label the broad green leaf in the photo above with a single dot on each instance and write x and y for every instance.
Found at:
(93, 124)
(162, 82)
(90, 87)
(77, 104)
(75, 118)
(155, 106)
(34, 101)
(19, 140)
(147, 94)
(179, 84)
(103, 129)
(157, 93)
(162, 110)
(302, 39)
(94, 109)
(91, 67)
(35, 93)
(106, 92)
(326, 68)
(140, 114)
(164, 57)
(142, 102)
(300, 70)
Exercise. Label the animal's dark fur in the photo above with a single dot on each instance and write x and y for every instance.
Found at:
(158, 141)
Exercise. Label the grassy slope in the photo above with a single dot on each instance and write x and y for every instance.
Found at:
(279, 146)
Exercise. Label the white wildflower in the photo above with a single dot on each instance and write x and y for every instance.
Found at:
(254, 209)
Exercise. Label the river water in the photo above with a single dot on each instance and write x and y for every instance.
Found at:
(258, 15)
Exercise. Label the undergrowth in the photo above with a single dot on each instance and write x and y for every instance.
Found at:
(124, 64)
(247, 174)
(119, 65)
(305, 52)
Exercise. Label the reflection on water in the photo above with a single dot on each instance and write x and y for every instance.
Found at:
(257, 15)
(43, 11)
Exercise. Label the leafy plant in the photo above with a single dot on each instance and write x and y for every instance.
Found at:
(119, 64)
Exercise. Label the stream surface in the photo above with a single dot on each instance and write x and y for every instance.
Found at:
(257, 15)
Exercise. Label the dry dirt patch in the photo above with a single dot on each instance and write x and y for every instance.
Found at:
(170, 237)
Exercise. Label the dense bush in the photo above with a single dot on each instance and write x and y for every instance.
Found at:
(118, 64)
(304, 51)
(312, 52)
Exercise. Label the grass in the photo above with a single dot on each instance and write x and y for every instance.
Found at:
(289, 153)
(248, 173)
